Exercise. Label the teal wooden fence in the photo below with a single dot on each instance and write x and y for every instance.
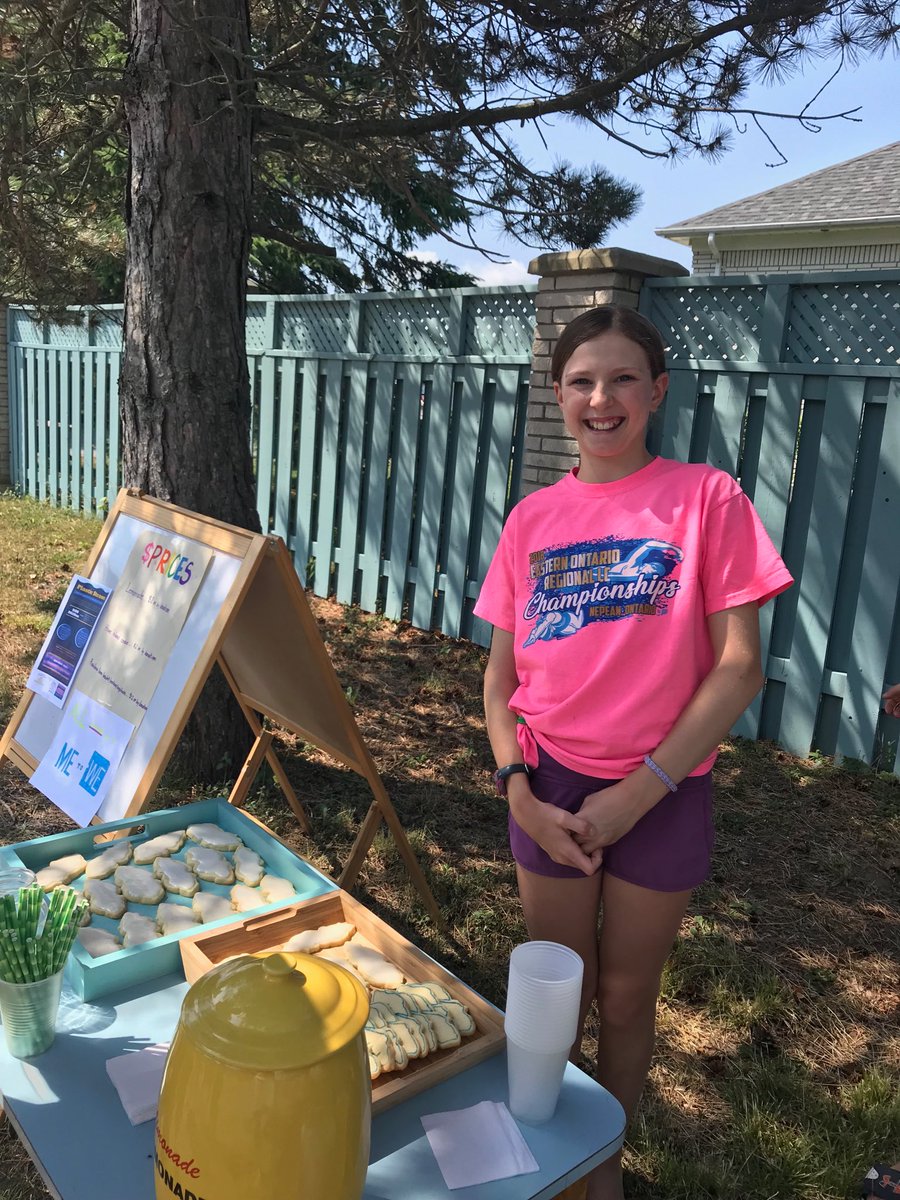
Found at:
(792, 384)
(387, 434)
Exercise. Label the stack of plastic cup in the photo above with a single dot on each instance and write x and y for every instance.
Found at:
(543, 998)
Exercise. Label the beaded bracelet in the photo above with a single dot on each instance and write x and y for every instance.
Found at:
(657, 770)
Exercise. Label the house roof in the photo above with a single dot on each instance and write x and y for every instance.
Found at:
(860, 191)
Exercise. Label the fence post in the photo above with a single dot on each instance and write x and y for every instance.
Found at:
(5, 474)
(570, 283)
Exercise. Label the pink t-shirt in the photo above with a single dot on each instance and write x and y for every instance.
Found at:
(606, 588)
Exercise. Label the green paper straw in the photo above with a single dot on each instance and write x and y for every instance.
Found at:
(8, 964)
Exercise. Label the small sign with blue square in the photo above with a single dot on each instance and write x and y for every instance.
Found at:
(93, 774)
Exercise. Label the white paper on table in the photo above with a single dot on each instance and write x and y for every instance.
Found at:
(478, 1144)
(78, 768)
(137, 1077)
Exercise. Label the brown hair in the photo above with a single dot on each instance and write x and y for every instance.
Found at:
(602, 319)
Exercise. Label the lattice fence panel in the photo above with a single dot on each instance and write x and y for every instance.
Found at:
(24, 328)
(106, 329)
(418, 325)
(501, 324)
(721, 322)
(67, 334)
(846, 323)
(316, 327)
(255, 324)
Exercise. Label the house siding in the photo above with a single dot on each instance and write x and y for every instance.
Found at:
(785, 259)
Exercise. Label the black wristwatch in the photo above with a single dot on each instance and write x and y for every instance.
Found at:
(501, 775)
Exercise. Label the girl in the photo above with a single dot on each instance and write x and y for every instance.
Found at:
(624, 601)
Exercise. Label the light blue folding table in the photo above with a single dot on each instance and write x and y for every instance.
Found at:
(67, 1113)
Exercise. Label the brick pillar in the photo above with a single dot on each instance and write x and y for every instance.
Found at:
(570, 283)
(4, 400)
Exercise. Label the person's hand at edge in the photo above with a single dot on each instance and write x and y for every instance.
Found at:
(891, 700)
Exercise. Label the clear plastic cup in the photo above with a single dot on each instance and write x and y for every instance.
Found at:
(13, 878)
(29, 1014)
(543, 996)
(535, 1081)
(543, 1000)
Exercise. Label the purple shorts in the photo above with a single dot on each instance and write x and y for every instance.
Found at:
(668, 850)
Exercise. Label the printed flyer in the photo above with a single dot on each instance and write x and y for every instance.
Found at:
(65, 644)
(141, 623)
(77, 771)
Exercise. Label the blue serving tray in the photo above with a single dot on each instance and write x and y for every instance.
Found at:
(93, 977)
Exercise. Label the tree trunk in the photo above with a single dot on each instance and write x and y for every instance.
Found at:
(184, 389)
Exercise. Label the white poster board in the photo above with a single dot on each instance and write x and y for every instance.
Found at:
(35, 724)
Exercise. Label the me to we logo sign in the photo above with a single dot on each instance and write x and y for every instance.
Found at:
(77, 770)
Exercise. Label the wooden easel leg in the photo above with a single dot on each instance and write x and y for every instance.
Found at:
(382, 807)
(271, 758)
(250, 769)
(360, 848)
(290, 795)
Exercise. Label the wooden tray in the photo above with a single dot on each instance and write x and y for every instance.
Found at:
(201, 951)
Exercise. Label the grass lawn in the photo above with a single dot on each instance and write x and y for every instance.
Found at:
(778, 1065)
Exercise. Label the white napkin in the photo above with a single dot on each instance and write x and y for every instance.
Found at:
(137, 1078)
(478, 1144)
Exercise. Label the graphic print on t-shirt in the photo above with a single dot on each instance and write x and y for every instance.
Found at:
(607, 579)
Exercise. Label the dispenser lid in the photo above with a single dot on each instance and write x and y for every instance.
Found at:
(274, 1012)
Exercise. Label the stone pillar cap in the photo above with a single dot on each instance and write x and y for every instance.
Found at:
(605, 258)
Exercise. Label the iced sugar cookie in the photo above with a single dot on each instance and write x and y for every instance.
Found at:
(105, 900)
(207, 906)
(337, 954)
(174, 918)
(104, 864)
(98, 942)
(456, 1011)
(381, 1052)
(213, 837)
(248, 866)
(377, 971)
(393, 1002)
(311, 941)
(175, 876)
(423, 1021)
(430, 992)
(275, 889)
(448, 1036)
(304, 942)
(157, 847)
(61, 871)
(137, 929)
(244, 899)
(209, 865)
(138, 885)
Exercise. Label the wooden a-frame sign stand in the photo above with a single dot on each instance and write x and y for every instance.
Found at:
(258, 626)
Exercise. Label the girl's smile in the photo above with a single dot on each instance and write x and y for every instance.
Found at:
(606, 394)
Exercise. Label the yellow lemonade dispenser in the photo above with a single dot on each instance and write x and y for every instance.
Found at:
(266, 1089)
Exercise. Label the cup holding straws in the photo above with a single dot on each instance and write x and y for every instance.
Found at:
(35, 940)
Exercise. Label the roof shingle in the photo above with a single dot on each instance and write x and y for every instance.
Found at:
(864, 188)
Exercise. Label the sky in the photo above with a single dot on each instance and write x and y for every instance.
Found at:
(673, 192)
